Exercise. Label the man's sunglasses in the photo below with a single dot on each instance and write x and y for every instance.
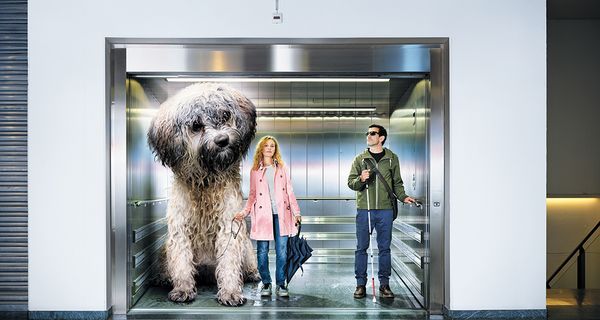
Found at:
(371, 133)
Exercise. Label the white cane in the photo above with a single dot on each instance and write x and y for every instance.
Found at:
(370, 244)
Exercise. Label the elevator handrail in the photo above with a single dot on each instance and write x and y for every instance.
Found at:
(579, 247)
(139, 203)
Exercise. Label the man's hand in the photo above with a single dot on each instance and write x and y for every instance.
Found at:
(364, 175)
(239, 216)
(409, 200)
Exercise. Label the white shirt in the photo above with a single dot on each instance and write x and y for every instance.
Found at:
(270, 175)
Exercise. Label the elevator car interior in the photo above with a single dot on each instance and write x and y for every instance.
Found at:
(317, 97)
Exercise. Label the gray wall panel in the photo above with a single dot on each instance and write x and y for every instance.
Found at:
(266, 92)
(315, 140)
(347, 127)
(298, 160)
(148, 183)
(315, 165)
(250, 89)
(380, 97)
(331, 207)
(347, 95)
(264, 126)
(13, 157)
(408, 127)
(331, 151)
(148, 179)
(299, 92)
(282, 134)
(573, 112)
(315, 92)
(313, 208)
(331, 95)
(348, 208)
(282, 95)
(360, 141)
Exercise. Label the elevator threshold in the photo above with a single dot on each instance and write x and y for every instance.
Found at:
(323, 291)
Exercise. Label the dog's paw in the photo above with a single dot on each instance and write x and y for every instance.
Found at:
(179, 295)
(231, 299)
(253, 276)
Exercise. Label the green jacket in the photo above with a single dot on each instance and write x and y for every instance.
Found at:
(389, 166)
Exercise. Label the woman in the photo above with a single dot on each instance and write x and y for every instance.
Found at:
(273, 209)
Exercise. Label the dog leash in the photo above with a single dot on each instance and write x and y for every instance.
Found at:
(231, 235)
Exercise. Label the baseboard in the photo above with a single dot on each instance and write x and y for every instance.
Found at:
(495, 314)
(13, 315)
(68, 315)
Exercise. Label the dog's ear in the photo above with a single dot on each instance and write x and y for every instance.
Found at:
(165, 139)
(248, 111)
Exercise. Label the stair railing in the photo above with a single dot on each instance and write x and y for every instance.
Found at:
(580, 261)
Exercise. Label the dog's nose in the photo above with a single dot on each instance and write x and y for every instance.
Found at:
(222, 140)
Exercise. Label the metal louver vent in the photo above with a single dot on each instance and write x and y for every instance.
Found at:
(13, 155)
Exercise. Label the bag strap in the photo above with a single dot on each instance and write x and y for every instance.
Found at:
(385, 184)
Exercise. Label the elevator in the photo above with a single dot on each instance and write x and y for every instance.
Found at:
(317, 97)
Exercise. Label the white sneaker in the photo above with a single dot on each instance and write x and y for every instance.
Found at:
(282, 291)
(265, 291)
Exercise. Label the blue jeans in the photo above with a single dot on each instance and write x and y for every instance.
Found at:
(262, 254)
(381, 220)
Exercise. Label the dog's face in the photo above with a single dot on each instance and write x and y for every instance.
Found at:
(203, 129)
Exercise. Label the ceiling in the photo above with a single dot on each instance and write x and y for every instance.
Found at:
(573, 9)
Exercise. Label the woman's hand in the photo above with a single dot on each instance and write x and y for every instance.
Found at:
(239, 216)
(298, 219)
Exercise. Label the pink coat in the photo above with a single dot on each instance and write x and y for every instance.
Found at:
(259, 204)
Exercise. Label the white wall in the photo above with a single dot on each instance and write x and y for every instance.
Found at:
(497, 129)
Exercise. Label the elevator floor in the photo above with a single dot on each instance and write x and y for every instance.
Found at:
(324, 290)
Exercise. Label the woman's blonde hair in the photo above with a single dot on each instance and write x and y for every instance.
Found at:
(258, 156)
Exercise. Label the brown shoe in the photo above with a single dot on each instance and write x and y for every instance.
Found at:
(385, 291)
(360, 292)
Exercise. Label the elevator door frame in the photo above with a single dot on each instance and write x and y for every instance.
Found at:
(247, 57)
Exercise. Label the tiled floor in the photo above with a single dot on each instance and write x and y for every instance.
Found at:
(316, 293)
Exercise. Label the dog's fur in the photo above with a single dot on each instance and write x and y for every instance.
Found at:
(202, 133)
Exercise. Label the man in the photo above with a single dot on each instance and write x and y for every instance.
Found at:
(380, 204)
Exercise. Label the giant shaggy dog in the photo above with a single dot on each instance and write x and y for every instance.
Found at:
(202, 133)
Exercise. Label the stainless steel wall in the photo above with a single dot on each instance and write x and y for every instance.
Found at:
(148, 186)
(318, 147)
(409, 128)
